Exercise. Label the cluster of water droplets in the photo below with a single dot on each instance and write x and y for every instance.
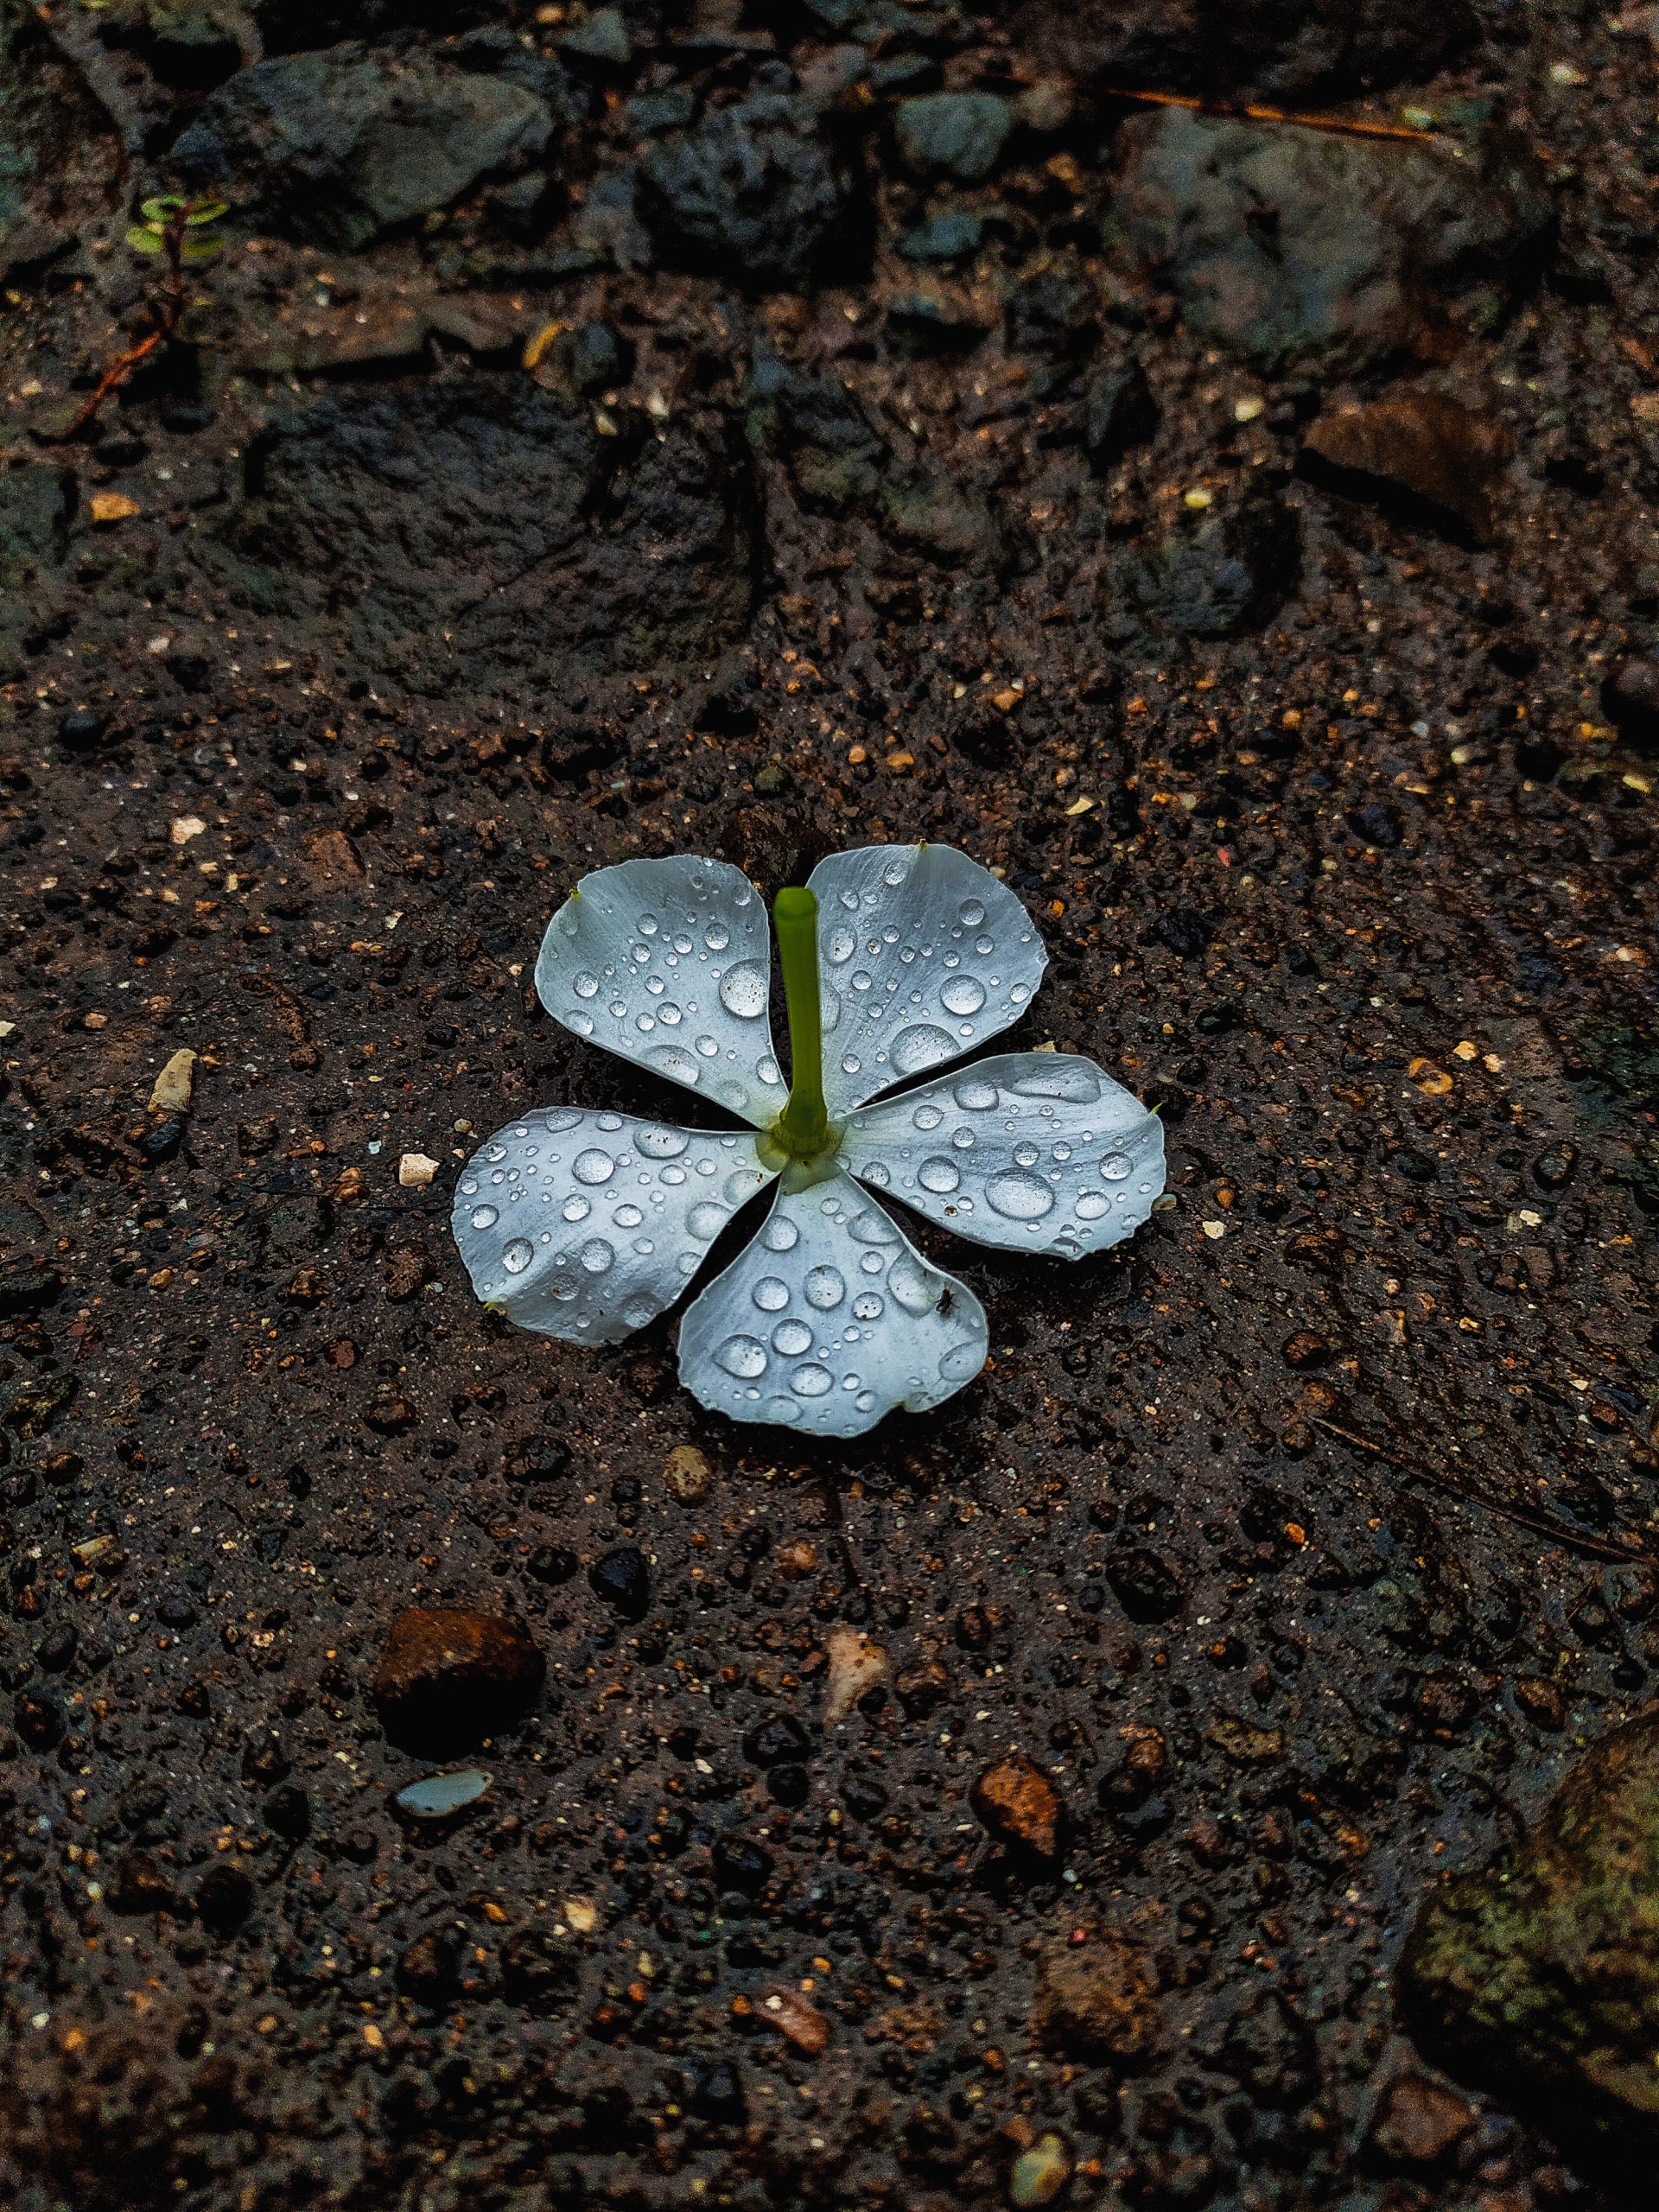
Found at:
(913, 974)
(586, 1226)
(1035, 1150)
(671, 970)
(831, 1319)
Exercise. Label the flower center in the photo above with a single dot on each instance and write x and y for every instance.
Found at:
(803, 1131)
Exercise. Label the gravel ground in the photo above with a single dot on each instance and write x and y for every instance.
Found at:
(759, 431)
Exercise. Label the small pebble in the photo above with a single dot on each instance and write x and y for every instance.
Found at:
(856, 1665)
(1040, 2174)
(174, 1087)
(687, 1476)
(415, 1171)
(434, 1797)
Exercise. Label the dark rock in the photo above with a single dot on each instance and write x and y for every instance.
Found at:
(956, 235)
(160, 1142)
(1097, 1999)
(960, 134)
(622, 1579)
(1142, 1585)
(1119, 412)
(601, 359)
(1538, 1976)
(739, 1864)
(140, 1883)
(59, 159)
(447, 1679)
(1017, 1804)
(538, 1971)
(1268, 50)
(753, 195)
(922, 325)
(288, 1813)
(1630, 696)
(1282, 243)
(1225, 575)
(482, 525)
(223, 1899)
(778, 1737)
(1438, 453)
(717, 2095)
(429, 1969)
(338, 147)
(80, 730)
(553, 1564)
(1188, 933)
(1376, 823)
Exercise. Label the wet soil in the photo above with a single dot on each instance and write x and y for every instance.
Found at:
(1030, 1800)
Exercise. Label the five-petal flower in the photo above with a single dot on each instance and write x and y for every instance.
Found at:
(586, 1226)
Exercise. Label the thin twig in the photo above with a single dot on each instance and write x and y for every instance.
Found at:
(1542, 1525)
(166, 310)
(1338, 126)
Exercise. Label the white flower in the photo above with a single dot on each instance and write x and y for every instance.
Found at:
(897, 959)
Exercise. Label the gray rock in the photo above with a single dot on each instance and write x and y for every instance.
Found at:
(336, 148)
(1217, 578)
(479, 529)
(1282, 242)
(751, 195)
(954, 134)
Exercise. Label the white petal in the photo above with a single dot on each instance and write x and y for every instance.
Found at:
(831, 1319)
(586, 1226)
(923, 954)
(1035, 1152)
(669, 962)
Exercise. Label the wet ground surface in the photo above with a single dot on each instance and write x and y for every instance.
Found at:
(1238, 533)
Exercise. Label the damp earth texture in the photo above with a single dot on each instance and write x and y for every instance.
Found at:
(1203, 1760)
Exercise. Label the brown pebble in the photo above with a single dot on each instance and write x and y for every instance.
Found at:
(448, 1678)
(407, 1272)
(1542, 1703)
(796, 2020)
(1306, 1350)
(687, 1476)
(1018, 1804)
(1098, 1998)
(1419, 443)
(1419, 2121)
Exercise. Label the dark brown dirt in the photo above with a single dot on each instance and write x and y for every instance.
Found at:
(1283, 1544)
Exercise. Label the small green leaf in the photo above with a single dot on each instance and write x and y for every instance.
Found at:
(162, 211)
(200, 249)
(143, 240)
(206, 211)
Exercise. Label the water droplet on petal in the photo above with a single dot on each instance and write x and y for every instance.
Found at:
(927, 1117)
(840, 944)
(596, 1255)
(963, 995)
(938, 1175)
(592, 1165)
(584, 985)
(961, 1362)
(1091, 1205)
(485, 1217)
(868, 1306)
(916, 1287)
(744, 1357)
(811, 1380)
(662, 1143)
(627, 1217)
(825, 1287)
(924, 1045)
(972, 914)
(975, 1096)
(791, 1338)
(517, 1255)
(706, 1221)
(1074, 1081)
(771, 1294)
(1018, 1197)
(780, 1234)
(716, 937)
(743, 990)
(876, 1172)
(575, 1207)
(1116, 1167)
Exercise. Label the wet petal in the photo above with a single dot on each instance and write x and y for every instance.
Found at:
(831, 1319)
(586, 1226)
(669, 962)
(1035, 1152)
(924, 955)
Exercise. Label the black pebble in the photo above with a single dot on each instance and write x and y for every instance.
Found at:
(623, 1580)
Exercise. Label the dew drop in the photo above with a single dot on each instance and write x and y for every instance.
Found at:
(771, 1294)
(638, 1312)
(1116, 1167)
(864, 1401)
(516, 1256)
(825, 1287)
(581, 1023)
(780, 1234)
(961, 1361)
(924, 1045)
(596, 1255)
(811, 1380)
(485, 1217)
(841, 944)
(927, 1117)
(716, 937)
(1075, 1081)
(791, 1338)
(876, 1171)
(938, 1174)
(662, 1144)
(560, 1118)
(1018, 1197)
(1091, 1205)
(972, 914)
(744, 1357)
(963, 995)
(743, 990)
(592, 1165)
(575, 1207)
(627, 1217)
(1026, 1155)
(868, 1306)
(708, 1048)
(584, 985)
(915, 1288)
(706, 1221)
(894, 873)
(781, 1409)
(975, 1096)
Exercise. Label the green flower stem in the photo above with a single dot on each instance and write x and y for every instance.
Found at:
(804, 1126)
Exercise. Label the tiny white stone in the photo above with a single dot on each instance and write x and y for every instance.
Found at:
(174, 1085)
(415, 1171)
(187, 826)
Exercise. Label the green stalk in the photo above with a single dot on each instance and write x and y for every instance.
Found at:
(803, 1125)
